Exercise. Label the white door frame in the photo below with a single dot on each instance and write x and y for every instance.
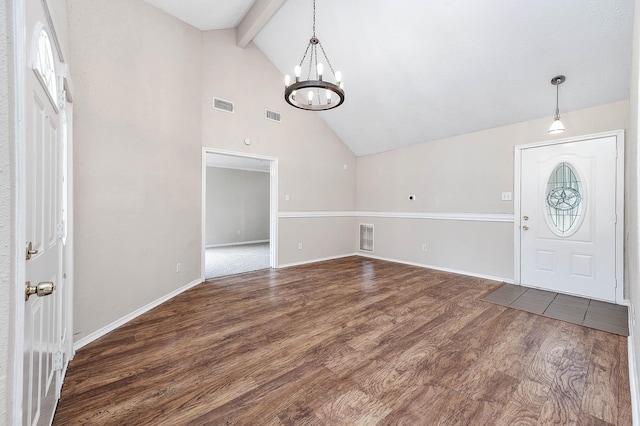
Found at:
(20, 54)
(619, 226)
(273, 202)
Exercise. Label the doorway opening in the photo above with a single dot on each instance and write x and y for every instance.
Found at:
(239, 213)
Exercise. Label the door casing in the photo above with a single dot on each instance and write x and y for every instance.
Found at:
(619, 226)
(273, 203)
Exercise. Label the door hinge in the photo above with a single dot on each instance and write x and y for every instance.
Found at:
(57, 360)
(60, 229)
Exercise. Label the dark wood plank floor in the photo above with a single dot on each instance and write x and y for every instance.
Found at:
(347, 342)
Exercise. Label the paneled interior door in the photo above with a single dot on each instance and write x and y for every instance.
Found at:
(44, 229)
(568, 218)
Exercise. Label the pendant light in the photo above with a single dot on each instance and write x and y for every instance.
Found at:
(557, 126)
(315, 93)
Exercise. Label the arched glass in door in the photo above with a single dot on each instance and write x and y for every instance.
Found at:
(44, 64)
(564, 200)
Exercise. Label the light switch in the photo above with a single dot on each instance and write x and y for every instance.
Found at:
(506, 196)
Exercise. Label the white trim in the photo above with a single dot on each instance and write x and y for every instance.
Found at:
(239, 243)
(125, 319)
(474, 217)
(619, 227)
(15, 379)
(244, 169)
(437, 268)
(316, 213)
(273, 203)
(320, 259)
(633, 377)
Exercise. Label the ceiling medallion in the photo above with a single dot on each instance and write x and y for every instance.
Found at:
(314, 93)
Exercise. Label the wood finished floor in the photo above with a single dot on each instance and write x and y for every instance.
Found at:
(347, 342)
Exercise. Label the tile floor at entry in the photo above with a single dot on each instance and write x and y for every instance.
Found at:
(577, 310)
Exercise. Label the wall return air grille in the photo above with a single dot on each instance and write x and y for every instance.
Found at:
(272, 115)
(222, 105)
(366, 237)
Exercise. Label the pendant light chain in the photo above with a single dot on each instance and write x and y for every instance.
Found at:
(314, 18)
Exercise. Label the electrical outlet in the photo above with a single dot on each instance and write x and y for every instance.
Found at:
(178, 267)
(507, 196)
(299, 246)
(424, 247)
(286, 197)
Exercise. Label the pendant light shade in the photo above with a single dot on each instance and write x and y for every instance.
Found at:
(557, 126)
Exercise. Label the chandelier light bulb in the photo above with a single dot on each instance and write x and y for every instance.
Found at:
(310, 96)
(320, 68)
(297, 70)
(287, 80)
(338, 76)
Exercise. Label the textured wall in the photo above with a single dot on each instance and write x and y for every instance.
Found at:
(237, 206)
(137, 75)
(462, 174)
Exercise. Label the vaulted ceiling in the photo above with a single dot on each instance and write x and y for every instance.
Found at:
(417, 71)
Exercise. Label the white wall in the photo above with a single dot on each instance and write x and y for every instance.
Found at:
(237, 206)
(311, 158)
(6, 223)
(137, 74)
(144, 86)
(632, 206)
(462, 174)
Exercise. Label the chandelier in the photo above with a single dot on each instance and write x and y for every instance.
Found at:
(314, 93)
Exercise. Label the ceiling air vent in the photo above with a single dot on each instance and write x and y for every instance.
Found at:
(222, 105)
(272, 115)
(366, 237)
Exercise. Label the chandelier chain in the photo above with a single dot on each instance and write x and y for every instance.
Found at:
(314, 18)
(327, 58)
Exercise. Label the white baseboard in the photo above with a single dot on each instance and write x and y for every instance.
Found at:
(125, 319)
(438, 268)
(322, 259)
(633, 377)
(239, 243)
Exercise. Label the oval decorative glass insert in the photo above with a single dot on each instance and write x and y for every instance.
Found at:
(564, 199)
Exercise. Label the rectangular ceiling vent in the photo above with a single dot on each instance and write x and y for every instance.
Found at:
(366, 237)
(222, 105)
(272, 115)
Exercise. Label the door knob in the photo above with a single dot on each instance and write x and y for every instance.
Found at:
(44, 288)
(525, 217)
(30, 250)
(525, 227)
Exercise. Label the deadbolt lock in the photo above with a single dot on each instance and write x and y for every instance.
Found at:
(525, 217)
(30, 250)
(44, 288)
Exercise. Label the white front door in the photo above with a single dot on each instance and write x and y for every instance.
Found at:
(43, 228)
(567, 220)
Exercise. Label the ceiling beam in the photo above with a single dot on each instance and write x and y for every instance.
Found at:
(255, 19)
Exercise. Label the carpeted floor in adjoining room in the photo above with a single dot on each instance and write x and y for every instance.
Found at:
(230, 260)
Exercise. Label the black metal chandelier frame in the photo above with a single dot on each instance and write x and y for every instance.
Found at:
(309, 94)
